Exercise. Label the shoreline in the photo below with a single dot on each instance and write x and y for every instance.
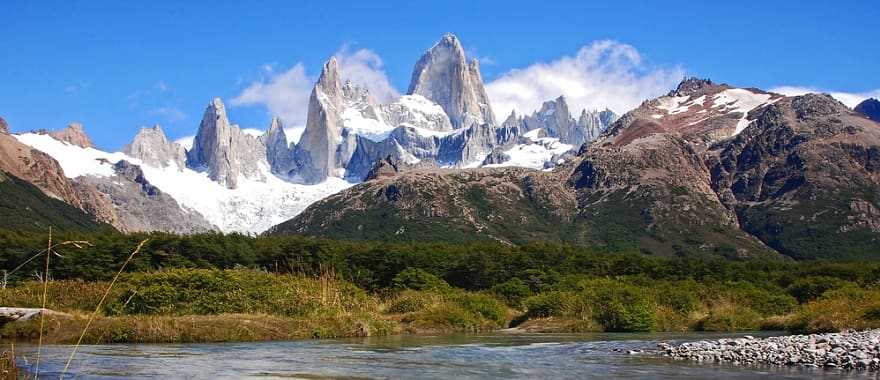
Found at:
(858, 350)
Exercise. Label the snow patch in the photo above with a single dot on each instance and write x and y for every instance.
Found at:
(536, 154)
(673, 104)
(74, 160)
(420, 104)
(739, 100)
(252, 207)
(373, 129)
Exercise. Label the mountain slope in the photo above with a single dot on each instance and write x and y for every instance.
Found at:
(805, 178)
(25, 207)
(511, 205)
(707, 168)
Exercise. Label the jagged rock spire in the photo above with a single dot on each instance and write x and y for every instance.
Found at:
(223, 150)
(4, 128)
(316, 151)
(152, 147)
(444, 76)
(278, 151)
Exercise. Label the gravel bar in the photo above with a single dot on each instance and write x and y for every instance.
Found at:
(847, 350)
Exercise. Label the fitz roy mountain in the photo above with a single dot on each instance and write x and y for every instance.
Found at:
(708, 168)
(232, 180)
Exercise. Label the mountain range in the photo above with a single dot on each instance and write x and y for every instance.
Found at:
(233, 180)
(707, 168)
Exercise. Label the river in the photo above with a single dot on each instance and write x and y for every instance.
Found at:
(497, 355)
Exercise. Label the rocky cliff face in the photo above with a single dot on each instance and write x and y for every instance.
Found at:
(316, 151)
(141, 207)
(278, 151)
(152, 147)
(870, 108)
(4, 128)
(224, 151)
(444, 76)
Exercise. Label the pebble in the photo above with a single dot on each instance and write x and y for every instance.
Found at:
(847, 350)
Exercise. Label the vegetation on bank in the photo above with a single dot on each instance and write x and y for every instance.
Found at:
(237, 288)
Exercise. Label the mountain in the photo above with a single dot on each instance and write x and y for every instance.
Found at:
(708, 168)
(23, 206)
(870, 108)
(43, 171)
(152, 147)
(444, 76)
(234, 180)
(223, 150)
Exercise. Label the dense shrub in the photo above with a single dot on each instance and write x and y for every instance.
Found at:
(513, 291)
(623, 308)
(417, 279)
(811, 288)
(201, 292)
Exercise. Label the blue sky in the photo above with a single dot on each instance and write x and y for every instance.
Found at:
(116, 66)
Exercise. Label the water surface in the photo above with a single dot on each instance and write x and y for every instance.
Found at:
(524, 356)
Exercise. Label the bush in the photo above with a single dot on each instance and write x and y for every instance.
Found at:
(624, 308)
(730, 317)
(811, 288)
(417, 279)
(453, 310)
(206, 292)
(513, 291)
(849, 307)
(553, 303)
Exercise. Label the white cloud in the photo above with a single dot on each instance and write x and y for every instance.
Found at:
(170, 113)
(849, 98)
(603, 74)
(294, 133)
(365, 67)
(253, 132)
(186, 141)
(286, 93)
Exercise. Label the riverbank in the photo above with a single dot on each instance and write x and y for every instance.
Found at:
(847, 350)
(244, 305)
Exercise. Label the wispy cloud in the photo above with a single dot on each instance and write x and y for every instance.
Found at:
(169, 113)
(186, 141)
(76, 88)
(851, 99)
(602, 74)
(285, 93)
(365, 67)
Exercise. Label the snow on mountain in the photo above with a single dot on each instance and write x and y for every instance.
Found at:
(373, 129)
(75, 161)
(739, 100)
(252, 207)
(535, 152)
